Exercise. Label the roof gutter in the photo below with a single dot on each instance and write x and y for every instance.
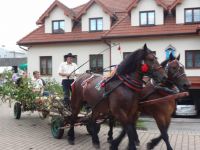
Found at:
(149, 35)
(57, 42)
(24, 48)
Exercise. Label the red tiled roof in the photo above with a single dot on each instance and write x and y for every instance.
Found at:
(117, 5)
(67, 11)
(90, 3)
(166, 4)
(135, 2)
(121, 28)
(38, 36)
(173, 4)
(124, 29)
(78, 9)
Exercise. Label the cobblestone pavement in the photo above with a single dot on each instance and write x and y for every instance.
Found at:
(32, 133)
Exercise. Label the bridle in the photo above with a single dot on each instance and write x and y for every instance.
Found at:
(154, 68)
(178, 74)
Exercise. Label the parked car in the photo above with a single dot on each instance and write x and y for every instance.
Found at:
(186, 107)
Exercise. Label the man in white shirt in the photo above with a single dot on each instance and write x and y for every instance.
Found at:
(68, 71)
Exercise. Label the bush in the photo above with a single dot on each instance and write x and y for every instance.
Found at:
(23, 92)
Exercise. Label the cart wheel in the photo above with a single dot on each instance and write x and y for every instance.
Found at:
(56, 123)
(89, 128)
(17, 110)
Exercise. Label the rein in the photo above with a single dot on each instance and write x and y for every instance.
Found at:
(166, 98)
(132, 84)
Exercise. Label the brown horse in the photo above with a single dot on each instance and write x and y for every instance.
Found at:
(121, 100)
(162, 110)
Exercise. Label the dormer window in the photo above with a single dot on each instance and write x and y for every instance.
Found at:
(192, 15)
(95, 24)
(58, 26)
(147, 18)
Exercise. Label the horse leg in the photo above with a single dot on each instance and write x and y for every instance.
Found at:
(115, 143)
(130, 130)
(111, 125)
(164, 134)
(163, 124)
(94, 132)
(137, 141)
(76, 106)
(70, 133)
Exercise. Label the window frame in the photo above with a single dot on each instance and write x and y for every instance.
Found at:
(96, 24)
(96, 57)
(46, 59)
(147, 12)
(58, 32)
(193, 59)
(193, 22)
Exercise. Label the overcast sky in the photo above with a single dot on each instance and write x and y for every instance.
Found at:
(18, 18)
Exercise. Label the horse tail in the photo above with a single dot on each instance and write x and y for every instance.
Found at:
(73, 87)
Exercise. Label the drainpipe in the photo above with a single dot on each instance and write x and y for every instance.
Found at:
(109, 45)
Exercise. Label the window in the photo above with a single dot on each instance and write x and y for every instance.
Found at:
(95, 24)
(58, 26)
(147, 18)
(192, 15)
(96, 63)
(46, 65)
(192, 59)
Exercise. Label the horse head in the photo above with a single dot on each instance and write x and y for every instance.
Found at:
(176, 73)
(143, 61)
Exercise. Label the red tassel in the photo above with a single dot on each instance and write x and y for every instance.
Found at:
(144, 68)
(103, 84)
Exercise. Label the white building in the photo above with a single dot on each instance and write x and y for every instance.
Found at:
(4, 53)
(165, 25)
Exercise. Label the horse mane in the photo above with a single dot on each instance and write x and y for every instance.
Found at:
(130, 63)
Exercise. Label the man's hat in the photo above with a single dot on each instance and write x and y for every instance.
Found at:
(69, 55)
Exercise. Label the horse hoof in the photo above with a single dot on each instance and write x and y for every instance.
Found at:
(97, 146)
(149, 146)
(137, 143)
(71, 142)
(113, 147)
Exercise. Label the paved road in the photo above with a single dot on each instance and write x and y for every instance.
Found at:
(32, 133)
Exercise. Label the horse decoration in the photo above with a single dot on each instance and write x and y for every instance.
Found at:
(121, 98)
(163, 104)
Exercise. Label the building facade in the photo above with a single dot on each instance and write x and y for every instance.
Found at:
(118, 27)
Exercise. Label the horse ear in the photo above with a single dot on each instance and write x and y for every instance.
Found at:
(178, 58)
(164, 63)
(171, 57)
(145, 46)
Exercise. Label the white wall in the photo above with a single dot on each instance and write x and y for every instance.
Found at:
(57, 51)
(147, 5)
(95, 11)
(180, 9)
(159, 45)
(57, 14)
